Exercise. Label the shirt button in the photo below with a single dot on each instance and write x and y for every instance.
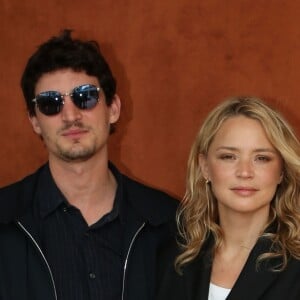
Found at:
(65, 209)
(92, 275)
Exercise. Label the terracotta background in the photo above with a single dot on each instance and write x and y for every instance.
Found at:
(173, 59)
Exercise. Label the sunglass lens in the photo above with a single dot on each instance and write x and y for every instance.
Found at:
(49, 103)
(85, 96)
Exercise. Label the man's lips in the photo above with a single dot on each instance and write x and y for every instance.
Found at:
(74, 132)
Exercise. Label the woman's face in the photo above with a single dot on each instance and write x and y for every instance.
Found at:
(243, 167)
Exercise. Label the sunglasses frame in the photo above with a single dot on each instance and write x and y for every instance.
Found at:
(57, 98)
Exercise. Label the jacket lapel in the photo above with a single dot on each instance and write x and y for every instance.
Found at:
(197, 277)
(252, 283)
(254, 279)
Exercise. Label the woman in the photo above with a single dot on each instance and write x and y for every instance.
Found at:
(239, 221)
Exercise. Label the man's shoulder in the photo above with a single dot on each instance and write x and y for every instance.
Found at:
(18, 186)
(16, 197)
(148, 192)
(152, 202)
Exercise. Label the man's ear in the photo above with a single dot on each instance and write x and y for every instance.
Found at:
(202, 160)
(115, 109)
(35, 124)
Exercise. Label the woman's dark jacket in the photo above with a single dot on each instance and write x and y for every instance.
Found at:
(24, 271)
(254, 283)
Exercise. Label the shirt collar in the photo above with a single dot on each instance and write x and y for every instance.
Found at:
(48, 194)
(50, 197)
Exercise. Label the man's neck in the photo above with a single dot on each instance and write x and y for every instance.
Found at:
(88, 185)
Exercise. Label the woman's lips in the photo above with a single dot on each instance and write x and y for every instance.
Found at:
(244, 191)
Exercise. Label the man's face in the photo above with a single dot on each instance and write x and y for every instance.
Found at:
(74, 134)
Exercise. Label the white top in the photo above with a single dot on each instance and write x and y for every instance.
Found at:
(217, 293)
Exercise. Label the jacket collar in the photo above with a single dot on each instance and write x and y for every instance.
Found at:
(147, 204)
(251, 284)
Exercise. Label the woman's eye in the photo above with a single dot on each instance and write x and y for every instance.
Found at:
(263, 158)
(227, 156)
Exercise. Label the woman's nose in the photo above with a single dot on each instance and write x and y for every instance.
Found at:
(245, 168)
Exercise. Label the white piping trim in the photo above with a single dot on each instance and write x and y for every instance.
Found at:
(42, 254)
(127, 256)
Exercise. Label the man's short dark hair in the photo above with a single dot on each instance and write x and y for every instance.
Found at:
(62, 52)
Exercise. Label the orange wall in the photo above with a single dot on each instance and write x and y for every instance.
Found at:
(174, 60)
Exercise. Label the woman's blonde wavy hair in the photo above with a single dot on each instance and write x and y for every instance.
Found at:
(197, 217)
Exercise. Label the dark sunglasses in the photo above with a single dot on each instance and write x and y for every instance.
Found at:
(50, 103)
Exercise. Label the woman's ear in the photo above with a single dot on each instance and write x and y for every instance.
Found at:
(202, 160)
(281, 177)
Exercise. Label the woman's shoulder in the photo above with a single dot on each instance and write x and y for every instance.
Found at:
(169, 281)
(184, 283)
(169, 253)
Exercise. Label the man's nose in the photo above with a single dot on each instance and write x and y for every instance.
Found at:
(70, 112)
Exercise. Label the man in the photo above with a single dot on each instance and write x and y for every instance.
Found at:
(77, 228)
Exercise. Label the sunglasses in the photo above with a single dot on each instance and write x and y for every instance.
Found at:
(50, 103)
